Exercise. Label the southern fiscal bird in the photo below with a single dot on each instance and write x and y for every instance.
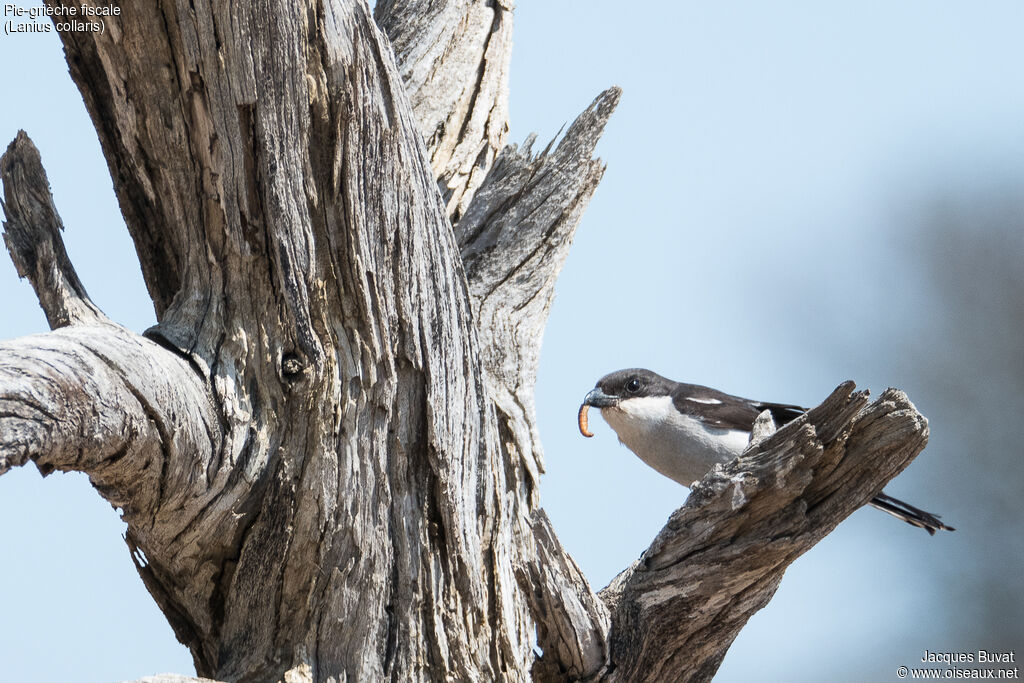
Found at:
(683, 430)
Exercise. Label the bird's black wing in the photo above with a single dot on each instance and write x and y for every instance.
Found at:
(725, 411)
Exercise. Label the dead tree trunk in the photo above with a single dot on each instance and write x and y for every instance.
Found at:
(326, 449)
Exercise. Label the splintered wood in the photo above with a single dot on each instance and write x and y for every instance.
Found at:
(583, 421)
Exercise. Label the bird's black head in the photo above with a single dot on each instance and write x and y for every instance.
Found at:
(625, 384)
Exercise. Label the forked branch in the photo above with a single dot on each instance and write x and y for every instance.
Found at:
(90, 396)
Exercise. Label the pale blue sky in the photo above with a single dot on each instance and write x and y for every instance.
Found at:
(747, 235)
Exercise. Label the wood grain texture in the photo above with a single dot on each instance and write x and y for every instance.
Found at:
(572, 623)
(32, 234)
(514, 239)
(454, 60)
(326, 450)
(301, 261)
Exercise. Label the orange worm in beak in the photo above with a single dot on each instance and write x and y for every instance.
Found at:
(583, 421)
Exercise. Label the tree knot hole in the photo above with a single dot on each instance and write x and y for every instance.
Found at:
(292, 366)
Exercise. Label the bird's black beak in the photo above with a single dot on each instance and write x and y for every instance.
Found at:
(599, 399)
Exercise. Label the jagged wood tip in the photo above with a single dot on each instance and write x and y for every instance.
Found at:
(32, 234)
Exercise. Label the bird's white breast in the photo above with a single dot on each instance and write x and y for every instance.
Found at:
(677, 445)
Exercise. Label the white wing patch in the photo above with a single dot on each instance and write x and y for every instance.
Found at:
(708, 401)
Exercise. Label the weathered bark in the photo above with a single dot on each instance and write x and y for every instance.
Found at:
(454, 59)
(352, 516)
(326, 449)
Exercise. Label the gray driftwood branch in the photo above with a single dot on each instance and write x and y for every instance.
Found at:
(32, 234)
(326, 449)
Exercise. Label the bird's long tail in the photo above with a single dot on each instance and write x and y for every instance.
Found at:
(909, 514)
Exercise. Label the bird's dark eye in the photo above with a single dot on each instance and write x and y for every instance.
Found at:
(633, 385)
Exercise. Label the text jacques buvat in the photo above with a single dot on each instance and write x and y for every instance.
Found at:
(18, 19)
